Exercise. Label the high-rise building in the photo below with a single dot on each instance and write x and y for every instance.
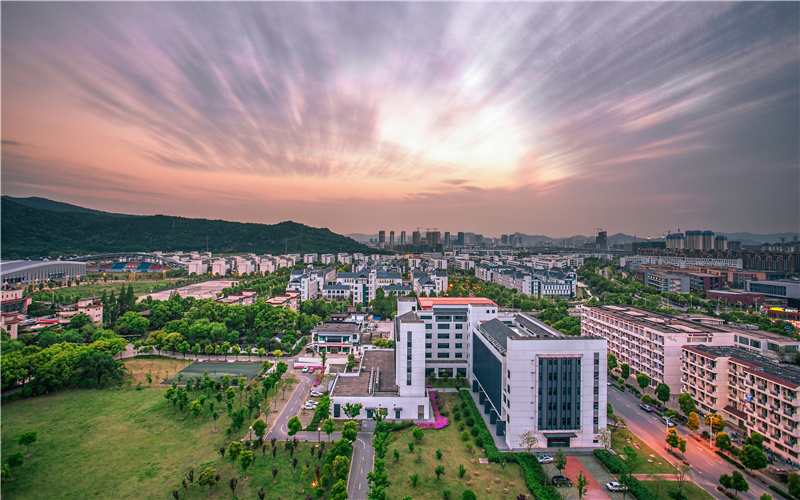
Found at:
(402, 237)
(694, 240)
(447, 242)
(416, 238)
(720, 242)
(676, 241)
(708, 240)
(601, 240)
(504, 240)
(391, 238)
(434, 237)
(381, 238)
(460, 240)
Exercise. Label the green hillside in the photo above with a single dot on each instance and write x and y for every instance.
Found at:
(31, 232)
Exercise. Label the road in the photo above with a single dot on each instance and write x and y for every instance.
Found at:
(706, 465)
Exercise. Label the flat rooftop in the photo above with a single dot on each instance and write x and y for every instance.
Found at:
(336, 328)
(664, 323)
(767, 366)
(377, 367)
(428, 302)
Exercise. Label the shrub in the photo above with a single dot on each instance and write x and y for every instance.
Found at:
(465, 435)
(780, 492)
(615, 466)
(470, 422)
(705, 434)
(474, 431)
(461, 426)
(729, 459)
(479, 441)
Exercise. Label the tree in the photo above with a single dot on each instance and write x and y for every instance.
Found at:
(294, 425)
(329, 426)
(582, 485)
(694, 422)
(612, 362)
(234, 450)
(27, 439)
(245, 461)
(752, 458)
(439, 454)
(341, 467)
(15, 460)
(439, 471)
(662, 392)
(632, 459)
(259, 427)
(687, 404)
(725, 480)
(396, 455)
(529, 440)
(603, 436)
(722, 441)
(715, 422)
(765, 496)
(625, 370)
(208, 478)
(643, 380)
(461, 470)
(352, 410)
(738, 483)
(349, 431)
(672, 438)
(756, 440)
(414, 478)
(234, 482)
(793, 485)
(561, 461)
(323, 354)
(339, 490)
(418, 434)
(197, 408)
(468, 495)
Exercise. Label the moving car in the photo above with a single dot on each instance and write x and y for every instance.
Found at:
(305, 369)
(615, 486)
(646, 407)
(561, 481)
(545, 459)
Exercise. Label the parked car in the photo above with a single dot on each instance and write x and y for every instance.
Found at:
(545, 459)
(311, 402)
(305, 369)
(615, 486)
(561, 481)
(316, 394)
(666, 421)
(646, 407)
(309, 407)
(311, 370)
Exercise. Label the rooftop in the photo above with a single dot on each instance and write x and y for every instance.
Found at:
(377, 371)
(336, 328)
(664, 323)
(428, 302)
(767, 366)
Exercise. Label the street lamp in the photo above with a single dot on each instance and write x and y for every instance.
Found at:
(319, 434)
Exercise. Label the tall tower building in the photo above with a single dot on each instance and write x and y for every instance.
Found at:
(708, 240)
(403, 237)
(382, 238)
(601, 240)
(416, 238)
(447, 242)
(434, 237)
(391, 238)
(460, 240)
(694, 240)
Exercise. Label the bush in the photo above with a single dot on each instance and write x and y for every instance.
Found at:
(470, 422)
(729, 459)
(780, 492)
(705, 435)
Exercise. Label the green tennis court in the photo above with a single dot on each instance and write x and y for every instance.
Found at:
(216, 371)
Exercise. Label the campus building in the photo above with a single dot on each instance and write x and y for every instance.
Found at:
(26, 272)
(751, 391)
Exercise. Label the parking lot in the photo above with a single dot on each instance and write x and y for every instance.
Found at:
(592, 469)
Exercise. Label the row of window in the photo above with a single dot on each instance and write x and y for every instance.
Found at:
(444, 336)
(444, 355)
(457, 326)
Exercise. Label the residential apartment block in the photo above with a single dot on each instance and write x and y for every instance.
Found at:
(651, 343)
(553, 282)
(751, 391)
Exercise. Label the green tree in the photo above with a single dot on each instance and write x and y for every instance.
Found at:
(234, 451)
(694, 422)
(722, 441)
(662, 392)
(687, 404)
(197, 408)
(582, 485)
(294, 425)
(738, 482)
(529, 440)
(752, 457)
(439, 471)
(625, 370)
(461, 470)
(15, 460)
(418, 434)
(414, 478)
(259, 427)
(632, 459)
(352, 410)
(396, 455)
(643, 380)
(208, 478)
(245, 461)
(725, 481)
(756, 440)
(341, 467)
(793, 484)
(27, 439)
(349, 431)
(339, 490)
(329, 426)
(612, 362)
(560, 461)
(765, 496)
(439, 454)
(468, 495)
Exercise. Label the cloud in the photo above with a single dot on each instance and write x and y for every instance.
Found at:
(11, 143)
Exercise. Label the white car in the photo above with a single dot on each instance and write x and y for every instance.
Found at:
(545, 459)
(305, 369)
(311, 402)
(315, 394)
(309, 407)
(615, 486)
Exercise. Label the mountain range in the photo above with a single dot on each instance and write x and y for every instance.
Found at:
(37, 227)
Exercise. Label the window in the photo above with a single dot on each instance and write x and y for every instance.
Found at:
(443, 336)
(442, 345)
(428, 345)
(443, 318)
(459, 346)
(443, 355)
(509, 373)
(429, 327)
(444, 326)
(459, 355)
(459, 326)
(508, 389)
(459, 335)
(427, 355)
(428, 335)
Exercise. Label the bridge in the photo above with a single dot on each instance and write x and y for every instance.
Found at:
(132, 256)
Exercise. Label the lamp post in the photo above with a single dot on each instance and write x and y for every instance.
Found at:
(319, 434)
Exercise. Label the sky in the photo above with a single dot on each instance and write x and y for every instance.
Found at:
(539, 118)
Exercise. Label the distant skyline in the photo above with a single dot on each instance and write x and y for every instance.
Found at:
(539, 118)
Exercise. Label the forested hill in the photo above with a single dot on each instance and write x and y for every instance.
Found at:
(32, 232)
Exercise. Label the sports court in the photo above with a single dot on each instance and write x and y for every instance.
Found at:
(216, 371)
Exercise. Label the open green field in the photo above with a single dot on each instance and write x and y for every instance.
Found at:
(693, 492)
(216, 371)
(454, 454)
(140, 287)
(619, 440)
(124, 443)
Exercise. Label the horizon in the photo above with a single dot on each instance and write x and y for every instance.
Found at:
(533, 118)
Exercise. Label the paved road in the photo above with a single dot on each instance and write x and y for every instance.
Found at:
(706, 465)
(363, 460)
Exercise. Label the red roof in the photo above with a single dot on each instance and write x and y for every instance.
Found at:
(428, 302)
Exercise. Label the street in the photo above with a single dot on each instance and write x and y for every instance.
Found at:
(706, 465)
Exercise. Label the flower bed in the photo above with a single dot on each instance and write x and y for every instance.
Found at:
(439, 421)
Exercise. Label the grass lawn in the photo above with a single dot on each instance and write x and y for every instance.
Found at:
(619, 440)
(693, 492)
(160, 368)
(441, 383)
(120, 444)
(140, 287)
(454, 453)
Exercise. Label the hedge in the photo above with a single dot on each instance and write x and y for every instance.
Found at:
(729, 459)
(633, 389)
(780, 492)
(618, 387)
(615, 466)
(536, 478)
